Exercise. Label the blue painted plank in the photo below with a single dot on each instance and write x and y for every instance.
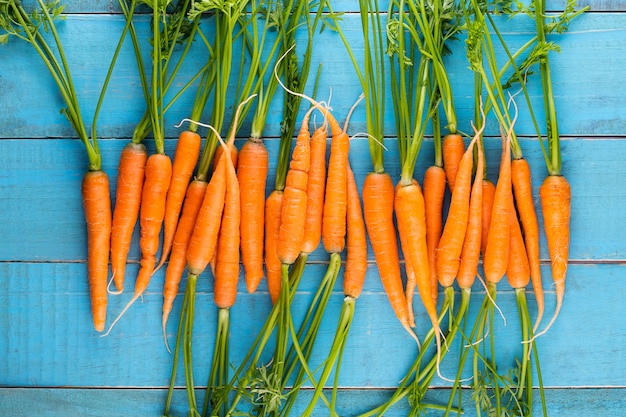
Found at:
(588, 97)
(47, 339)
(43, 218)
(141, 403)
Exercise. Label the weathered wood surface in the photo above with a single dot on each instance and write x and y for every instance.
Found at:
(140, 403)
(587, 74)
(53, 363)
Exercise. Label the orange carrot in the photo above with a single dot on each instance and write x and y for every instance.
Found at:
(470, 254)
(157, 180)
(522, 189)
(518, 268)
(451, 242)
(203, 241)
(227, 260)
(130, 176)
(252, 169)
(453, 149)
(178, 258)
(273, 207)
(497, 250)
(293, 210)
(335, 199)
(489, 191)
(202, 248)
(185, 158)
(378, 206)
(356, 250)
(410, 211)
(316, 187)
(97, 206)
(232, 150)
(152, 211)
(434, 191)
(556, 195)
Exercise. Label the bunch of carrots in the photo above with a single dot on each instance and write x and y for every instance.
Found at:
(222, 217)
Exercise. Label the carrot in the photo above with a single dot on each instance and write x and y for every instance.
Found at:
(335, 198)
(157, 180)
(178, 257)
(293, 210)
(489, 190)
(555, 194)
(518, 276)
(434, 190)
(356, 250)
(335, 193)
(232, 151)
(273, 206)
(204, 236)
(497, 250)
(411, 216)
(453, 149)
(518, 268)
(152, 211)
(97, 206)
(470, 254)
(130, 177)
(201, 250)
(354, 275)
(185, 158)
(378, 206)
(227, 261)
(252, 169)
(451, 242)
(316, 187)
(522, 189)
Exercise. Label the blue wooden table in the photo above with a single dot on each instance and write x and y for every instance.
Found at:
(53, 363)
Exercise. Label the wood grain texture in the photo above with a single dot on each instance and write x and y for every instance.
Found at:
(46, 335)
(141, 403)
(585, 108)
(43, 219)
(47, 338)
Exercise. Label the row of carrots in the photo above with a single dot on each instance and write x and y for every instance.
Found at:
(211, 205)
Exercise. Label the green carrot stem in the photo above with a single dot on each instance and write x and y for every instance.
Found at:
(243, 374)
(192, 280)
(341, 335)
(60, 72)
(308, 331)
(179, 333)
(520, 295)
(409, 383)
(218, 375)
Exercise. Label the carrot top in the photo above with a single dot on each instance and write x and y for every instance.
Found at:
(16, 22)
(226, 15)
(371, 76)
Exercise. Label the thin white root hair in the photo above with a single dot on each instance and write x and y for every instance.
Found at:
(124, 310)
(356, 103)
(167, 345)
(301, 95)
(236, 118)
(477, 342)
(412, 334)
(482, 281)
(552, 320)
(368, 135)
(109, 287)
